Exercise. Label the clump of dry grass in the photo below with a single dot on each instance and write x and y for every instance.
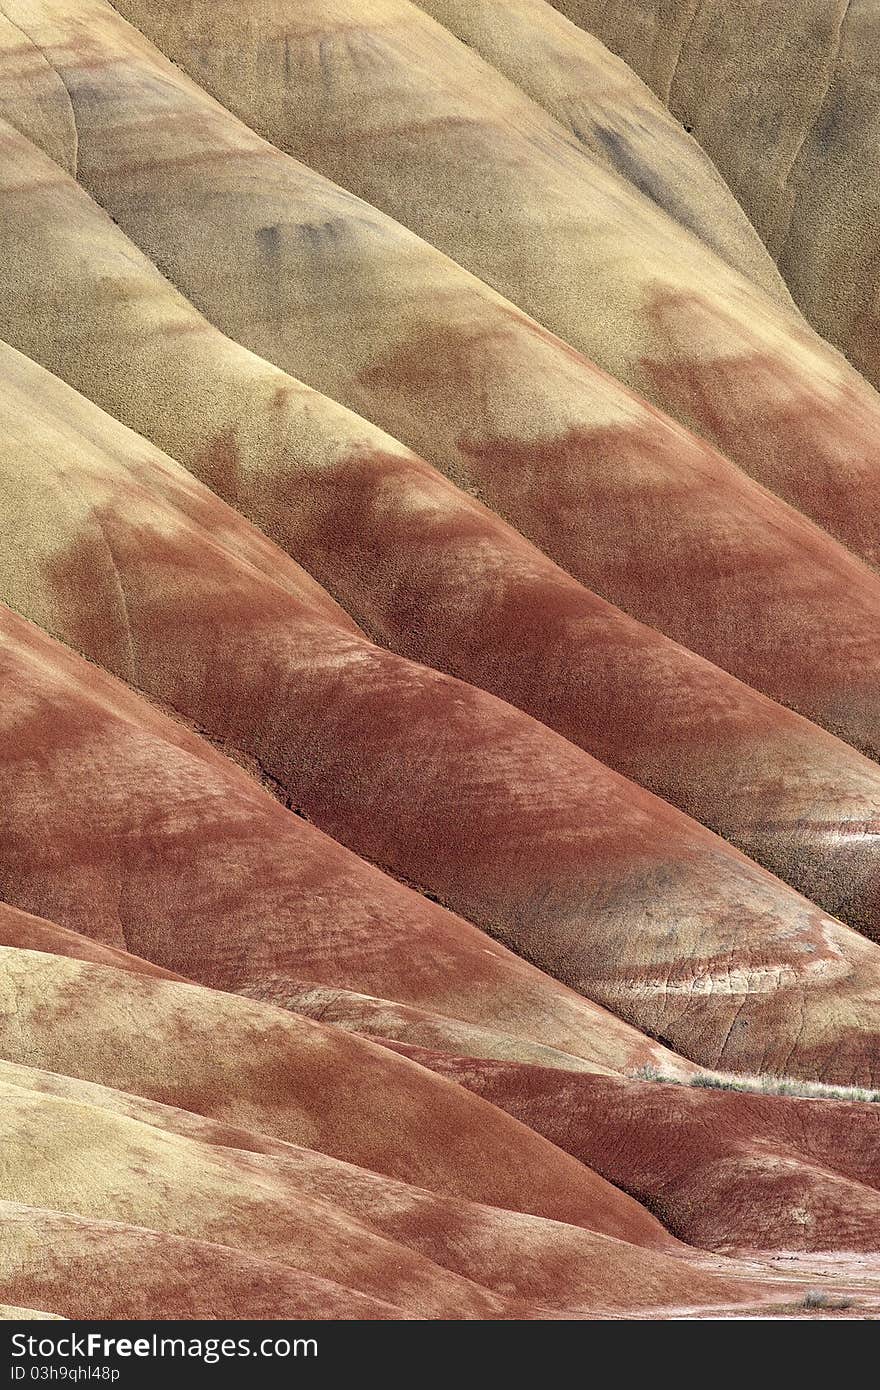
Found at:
(817, 1299)
(763, 1085)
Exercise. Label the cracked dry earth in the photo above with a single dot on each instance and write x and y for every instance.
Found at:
(440, 660)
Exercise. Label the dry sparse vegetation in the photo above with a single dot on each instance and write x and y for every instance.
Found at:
(763, 1085)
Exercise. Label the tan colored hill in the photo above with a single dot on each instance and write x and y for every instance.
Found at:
(439, 801)
(410, 119)
(358, 1013)
(701, 571)
(161, 1038)
(613, 115)
(258, 1195)
(449, 569)
(784, 102)
(261, 1195)
(107, 1269)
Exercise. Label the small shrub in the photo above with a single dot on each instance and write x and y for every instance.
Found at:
(647, 1073)
(817, 1299)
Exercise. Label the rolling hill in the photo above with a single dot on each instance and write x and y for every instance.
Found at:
(440, 663)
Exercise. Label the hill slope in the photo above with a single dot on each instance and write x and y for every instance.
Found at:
(423, 758)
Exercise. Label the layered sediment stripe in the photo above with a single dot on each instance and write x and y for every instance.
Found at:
(622, 498)
(112, 1270)
(605, 886)
(356, 1013)
(393, 1044)
(431, 572)
(253, 1066)
(30, 933)
(124, 825)
(611, 113)
(784, 102)
(482, 1248)
(388, 103)
(722, 1168)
